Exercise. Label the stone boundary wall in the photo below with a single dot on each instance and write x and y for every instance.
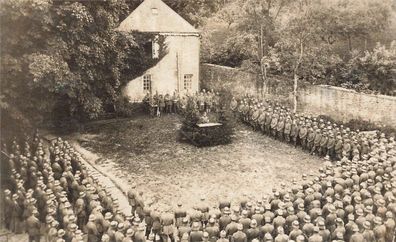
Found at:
(339, 103)
(345, 104)
(227, 78)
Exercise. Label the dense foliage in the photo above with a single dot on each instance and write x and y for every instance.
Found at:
(331, 42)
(66, 57)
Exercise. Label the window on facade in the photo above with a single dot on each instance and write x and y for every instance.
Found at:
(188, 81)
(154, 11)
(147, 83)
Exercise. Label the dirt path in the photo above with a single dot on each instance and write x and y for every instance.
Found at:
(116, 185)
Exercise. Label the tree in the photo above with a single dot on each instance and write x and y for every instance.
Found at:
(68, 52)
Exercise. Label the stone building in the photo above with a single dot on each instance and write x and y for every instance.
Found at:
(178, 70)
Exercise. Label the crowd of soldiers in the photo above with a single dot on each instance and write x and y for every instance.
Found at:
(314, 135)
(204, 101)
(52, 197)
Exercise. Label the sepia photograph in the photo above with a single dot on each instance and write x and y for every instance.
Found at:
(198, 121)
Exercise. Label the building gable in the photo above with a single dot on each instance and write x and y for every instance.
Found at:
(156, 17)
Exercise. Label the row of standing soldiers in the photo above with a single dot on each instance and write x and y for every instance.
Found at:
(51, 196)
(54, 197)
(204, 101)
(314, 135)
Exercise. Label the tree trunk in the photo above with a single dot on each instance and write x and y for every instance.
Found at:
(295, 92)
(295, 87)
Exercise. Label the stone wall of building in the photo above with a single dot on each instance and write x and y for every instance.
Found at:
(345, 104)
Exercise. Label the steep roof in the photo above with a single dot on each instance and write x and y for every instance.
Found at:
(156, 16)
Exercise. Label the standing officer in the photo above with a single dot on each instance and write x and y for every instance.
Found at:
(331, 145)
(302, 134)
(132, 198)
(287, 130)
(239, 236)
(338, 147)
(33, 227)
(92, 231)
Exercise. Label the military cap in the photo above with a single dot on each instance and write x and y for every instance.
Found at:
(226, 210)
(195, 226)
(268, 237)
(61, 233)
(223, 234)
(234, 217)
(295, 224)
(378, 220)
(120, 226)
(73, 227)
(113, 224)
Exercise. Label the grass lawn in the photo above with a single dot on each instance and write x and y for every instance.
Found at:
(146, 151)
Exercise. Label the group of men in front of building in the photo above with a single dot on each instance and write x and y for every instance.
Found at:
(204, 101)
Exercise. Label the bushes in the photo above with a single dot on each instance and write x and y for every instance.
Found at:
(124, 108)
(205, 137)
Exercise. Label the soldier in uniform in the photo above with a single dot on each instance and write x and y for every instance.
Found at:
(167, 221)
(379, 230)
(8, 204)
(338, 147)
(302, 135)
(168, 103)
(255, 118)
(346, 149)
(80, 210)
(33, 227)
(280, 127)
(330, 146)
(253, 232)
(132, 198)
(239, 236)
(274, 123)
(225, 219)
(176, 104)
(196, 235)
(323, 144)
(183, 228)
(161, 104)
(139, 236)
(92, 231)
(213, 230)
(232, 227)
(310, 140)
(287, 129)
(390, 226)
(119, 235)
(294, 132)
(223, 237)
